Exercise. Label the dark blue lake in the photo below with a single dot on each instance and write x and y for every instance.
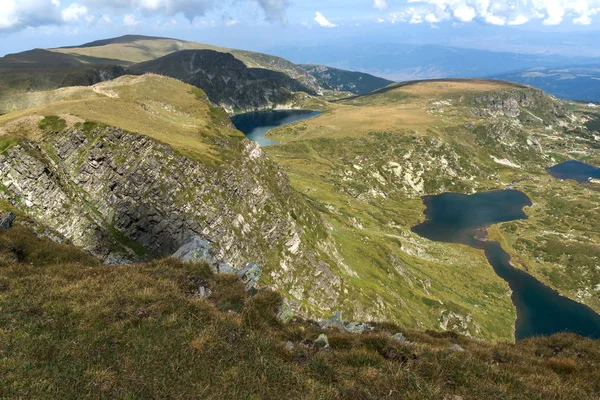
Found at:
(255, 125)
(575, 170)
(541, 311)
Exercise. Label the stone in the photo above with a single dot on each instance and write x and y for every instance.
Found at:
(322, 342)
(6, 222)
(400, 338)
(250, 275)
(456, 347)
(355, 327)
(289, 346)
(195, 249)
(225, 268)
(285, 314)
(203, 292)
(334, 322)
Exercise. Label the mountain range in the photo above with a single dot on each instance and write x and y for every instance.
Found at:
(148, 248)
(248, 81)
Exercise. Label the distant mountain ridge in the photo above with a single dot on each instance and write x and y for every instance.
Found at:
(580, 83)
(404, 62)
(226, 80)
(238, 80)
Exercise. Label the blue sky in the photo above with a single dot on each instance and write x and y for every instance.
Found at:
(264, 24)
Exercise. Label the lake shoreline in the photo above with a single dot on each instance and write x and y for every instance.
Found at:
(551, 312)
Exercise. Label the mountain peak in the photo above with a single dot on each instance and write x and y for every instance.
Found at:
(117, 40)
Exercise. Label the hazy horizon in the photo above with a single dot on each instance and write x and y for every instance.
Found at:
(569, 28)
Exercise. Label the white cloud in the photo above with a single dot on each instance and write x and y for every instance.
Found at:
(518, 20)
(495, 20)
(432, 18)
(322, 21)
(19, 14)
(274, 10)
(380, 4)
(74, 12)
(130, 21)
(189, 8)
(502, 12)
(464, 13)
(416, 19)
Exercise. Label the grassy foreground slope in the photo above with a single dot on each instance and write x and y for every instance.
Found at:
(367, 160)
(70, 328)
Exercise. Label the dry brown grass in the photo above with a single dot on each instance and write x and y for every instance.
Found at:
(404, 108)
(159, 107)
(90, 331)
(139, 50)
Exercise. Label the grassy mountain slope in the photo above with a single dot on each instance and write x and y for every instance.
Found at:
(131, 49)
(305, 264)
(94, 62)
(255, 80)
(130, 169)
(75, 329)
(366, 160)
(357, 171)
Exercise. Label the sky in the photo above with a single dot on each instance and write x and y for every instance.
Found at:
(530, 25)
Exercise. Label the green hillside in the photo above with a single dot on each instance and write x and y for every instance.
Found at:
(367, 160)
(144, 162)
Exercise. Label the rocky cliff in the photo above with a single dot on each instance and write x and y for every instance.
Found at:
(345, 81)
(125, 197)
(227, 81)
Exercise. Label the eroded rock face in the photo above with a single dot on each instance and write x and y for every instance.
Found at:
(125, 197)
(514, 103)
(226, 80)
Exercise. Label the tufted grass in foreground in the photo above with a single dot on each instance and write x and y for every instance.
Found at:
(81, 330)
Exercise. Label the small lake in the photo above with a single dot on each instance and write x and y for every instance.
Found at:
(541, 311)
(255, 125)
(575, 170)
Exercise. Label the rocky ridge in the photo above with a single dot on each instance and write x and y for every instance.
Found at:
(125, 197)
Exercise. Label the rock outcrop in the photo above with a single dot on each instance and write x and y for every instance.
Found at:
(226, 80)
(125, 197)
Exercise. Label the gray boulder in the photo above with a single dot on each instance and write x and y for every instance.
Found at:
(250, 275)
(6, 222)
(400, 337)
(322, 342)
(285, 313)
(334, 322)
(203, 292)
(456, 347)
(355, 327)
(196, 249)
(224, 268)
